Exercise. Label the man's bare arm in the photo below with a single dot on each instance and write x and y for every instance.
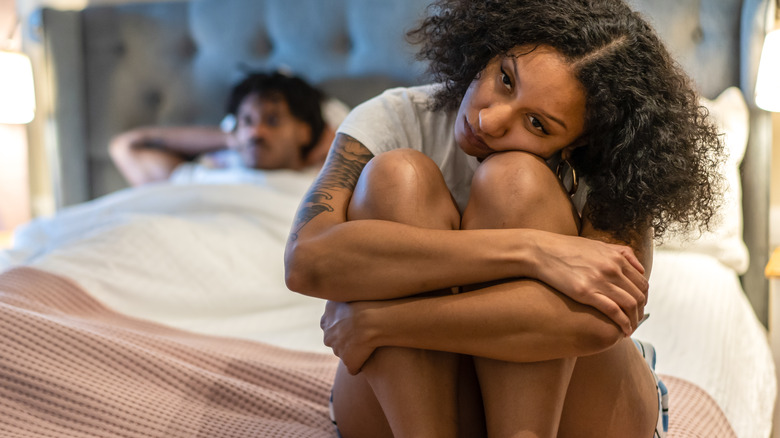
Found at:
(151, 154)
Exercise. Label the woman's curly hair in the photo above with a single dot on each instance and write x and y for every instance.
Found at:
(650, 154)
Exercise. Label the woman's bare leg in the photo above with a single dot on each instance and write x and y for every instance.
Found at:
(518, 190)
(401, 391)
(585, 396)
(612, 393)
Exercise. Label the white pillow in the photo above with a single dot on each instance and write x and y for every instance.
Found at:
(724, 241)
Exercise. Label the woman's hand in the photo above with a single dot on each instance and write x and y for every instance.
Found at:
(605, 276)
(343, 332)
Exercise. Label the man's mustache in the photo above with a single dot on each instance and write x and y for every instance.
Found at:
(255, 142)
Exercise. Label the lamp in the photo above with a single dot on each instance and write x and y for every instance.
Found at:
(768, 81)
(17, 97)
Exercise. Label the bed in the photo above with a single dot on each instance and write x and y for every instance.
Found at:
(162, 310)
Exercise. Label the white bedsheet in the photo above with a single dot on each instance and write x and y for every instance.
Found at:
(208, 258)
(706, 332)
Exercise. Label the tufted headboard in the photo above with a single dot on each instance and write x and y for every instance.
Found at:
(111, 68)
(119, 67)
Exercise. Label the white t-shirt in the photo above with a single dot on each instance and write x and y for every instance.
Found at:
(401, 118)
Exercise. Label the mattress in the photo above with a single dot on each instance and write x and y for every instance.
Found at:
(208, 260)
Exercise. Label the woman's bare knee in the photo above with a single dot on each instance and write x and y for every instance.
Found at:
(404, 186)
(518, 190)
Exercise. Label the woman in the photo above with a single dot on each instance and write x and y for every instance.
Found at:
(449, 188)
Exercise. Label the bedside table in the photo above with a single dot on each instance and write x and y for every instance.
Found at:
(772, 272)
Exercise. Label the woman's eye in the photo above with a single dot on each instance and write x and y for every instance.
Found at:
(537, 124)
(506, 80)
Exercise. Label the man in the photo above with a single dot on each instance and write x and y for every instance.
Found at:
(275, 121)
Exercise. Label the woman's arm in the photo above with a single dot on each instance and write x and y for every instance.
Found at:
(330, 257)
(151, 154)
(520, 321)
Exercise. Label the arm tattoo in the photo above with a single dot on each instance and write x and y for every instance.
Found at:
(342, 170)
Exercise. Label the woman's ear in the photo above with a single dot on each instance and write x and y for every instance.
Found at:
(567, 151)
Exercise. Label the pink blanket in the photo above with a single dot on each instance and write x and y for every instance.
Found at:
(70, 367)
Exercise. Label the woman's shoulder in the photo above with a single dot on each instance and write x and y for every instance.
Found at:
(401, 105)
(415, 96)
(399, 117)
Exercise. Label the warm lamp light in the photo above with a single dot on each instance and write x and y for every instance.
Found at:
(768, 82)
(17, 97)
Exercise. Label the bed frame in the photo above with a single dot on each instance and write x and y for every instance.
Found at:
(111, 68)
